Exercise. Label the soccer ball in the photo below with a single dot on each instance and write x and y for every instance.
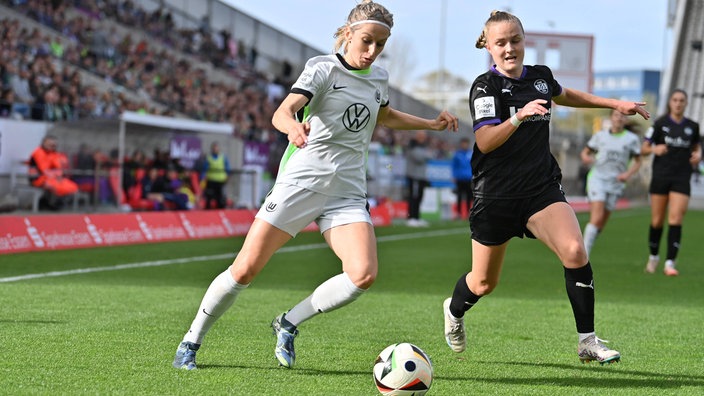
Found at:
(403, 369)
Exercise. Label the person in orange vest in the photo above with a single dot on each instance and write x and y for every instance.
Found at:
(46, 170)
(215, 172)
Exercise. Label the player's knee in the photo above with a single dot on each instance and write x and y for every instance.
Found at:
(363, 279)
(574, 253)
(242, 273)
(482, 287)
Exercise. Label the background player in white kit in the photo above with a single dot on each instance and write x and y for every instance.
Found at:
(329, 117)
(614, 155)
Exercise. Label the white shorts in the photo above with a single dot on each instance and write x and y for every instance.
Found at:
(601, 191)
(292, 208)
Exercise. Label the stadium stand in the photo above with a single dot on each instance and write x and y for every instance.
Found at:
(79, 64)
(686, 69)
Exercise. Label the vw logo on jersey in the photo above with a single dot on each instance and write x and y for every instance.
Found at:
(541, 86)
(356, 117)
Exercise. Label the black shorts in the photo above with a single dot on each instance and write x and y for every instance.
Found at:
(663, 186)
(495, 221)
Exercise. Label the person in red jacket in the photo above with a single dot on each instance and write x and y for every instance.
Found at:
(46, 170)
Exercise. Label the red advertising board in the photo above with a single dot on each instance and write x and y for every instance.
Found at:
(70, 231)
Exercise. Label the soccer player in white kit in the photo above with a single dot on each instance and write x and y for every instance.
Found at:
(614, 156)
(329, 117)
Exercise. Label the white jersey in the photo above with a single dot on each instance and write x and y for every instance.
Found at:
(613, 155)
(342, 111)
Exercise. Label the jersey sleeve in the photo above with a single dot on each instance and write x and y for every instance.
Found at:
(635, 145)
(312, 78)
(697, 137)
(593, 143)
(385, 100)
(654, 133)
(484, 105)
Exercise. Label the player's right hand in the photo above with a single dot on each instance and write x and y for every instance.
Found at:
(298, 135)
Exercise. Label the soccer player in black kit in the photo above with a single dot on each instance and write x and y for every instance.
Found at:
(676, 143)
(517, 181)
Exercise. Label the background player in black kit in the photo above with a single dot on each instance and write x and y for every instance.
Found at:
(517, 181)
(675, 141)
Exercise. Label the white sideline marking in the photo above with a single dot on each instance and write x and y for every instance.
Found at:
(157, 263)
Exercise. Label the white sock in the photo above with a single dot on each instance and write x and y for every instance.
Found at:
(334, 293)
(221, 293)
(590, 234)
(584, 336)
(670, 263)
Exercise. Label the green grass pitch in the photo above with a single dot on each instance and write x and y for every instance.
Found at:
(115, 331)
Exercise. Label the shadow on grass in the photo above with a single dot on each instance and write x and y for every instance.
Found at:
(609, 377)
(297, 370)
(30, 321)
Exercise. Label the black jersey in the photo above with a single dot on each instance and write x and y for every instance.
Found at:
(523, 165)
(681, 138)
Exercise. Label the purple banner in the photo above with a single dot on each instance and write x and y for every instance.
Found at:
(186, 148)
(255, 154)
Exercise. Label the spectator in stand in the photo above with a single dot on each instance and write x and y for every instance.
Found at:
(46, 170)
(417, 157)
(84, 164)
(138, 160)
(19, 83)
(7, 100)
(215, 173)
(46, 107)
(462, 176)
(163, 189)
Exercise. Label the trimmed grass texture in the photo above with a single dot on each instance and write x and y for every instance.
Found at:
(116, 331)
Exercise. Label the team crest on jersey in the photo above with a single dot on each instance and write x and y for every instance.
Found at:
(378, 96)
(688, 131)
(356, 117)
(541, 86)
(270, 207)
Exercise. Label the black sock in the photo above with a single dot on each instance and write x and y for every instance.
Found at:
(654, 240)
(580, 290)
(674, 235)
(462, 298)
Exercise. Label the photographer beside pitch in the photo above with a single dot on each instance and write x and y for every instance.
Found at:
(329, 117)
(517, 181)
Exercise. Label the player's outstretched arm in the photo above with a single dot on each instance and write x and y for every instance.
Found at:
(575, 98)
(395, 119)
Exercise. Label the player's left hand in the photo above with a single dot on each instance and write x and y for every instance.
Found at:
(445, 121)
(631, 108)
(695, 157)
